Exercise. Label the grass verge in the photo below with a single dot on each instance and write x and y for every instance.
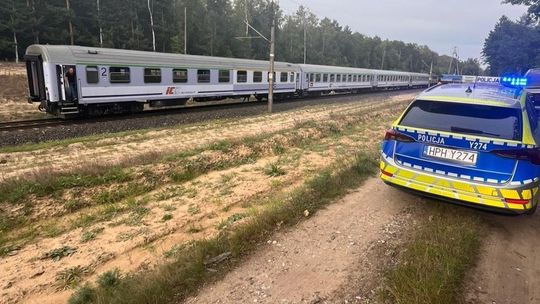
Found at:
(189, 270)
(435, 261)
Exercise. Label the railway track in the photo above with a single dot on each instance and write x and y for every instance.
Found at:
(20, 132)
(29, 124)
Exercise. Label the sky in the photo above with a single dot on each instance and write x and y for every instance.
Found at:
(439, 24)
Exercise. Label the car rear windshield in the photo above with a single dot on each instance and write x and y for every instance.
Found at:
(481, 120)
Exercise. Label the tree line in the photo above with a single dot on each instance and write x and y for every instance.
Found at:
(214, 28)
(513, 47)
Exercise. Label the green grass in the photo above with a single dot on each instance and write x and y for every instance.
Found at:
(70, 278)
(274, 170)
(435, 261)
(17, 190)
(172, 282)
(59, 253)
(126, 191)
(90, 235)
(167, 217)
(109, 279)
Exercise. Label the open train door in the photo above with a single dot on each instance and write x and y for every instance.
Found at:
(36, 80)
(68, 90)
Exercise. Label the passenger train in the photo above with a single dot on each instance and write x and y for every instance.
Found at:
(105, 81)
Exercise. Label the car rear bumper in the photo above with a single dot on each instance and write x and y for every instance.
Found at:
(486, 196)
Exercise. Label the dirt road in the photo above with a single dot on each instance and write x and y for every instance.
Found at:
(316, 261)
(509, 269)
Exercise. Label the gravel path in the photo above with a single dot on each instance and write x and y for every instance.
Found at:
(509, 269)
(336, 250)
(175, 117)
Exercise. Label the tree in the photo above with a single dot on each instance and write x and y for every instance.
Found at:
(212, 28)
(471, 67)
(14, 15)
(511, 47)
(534, 6)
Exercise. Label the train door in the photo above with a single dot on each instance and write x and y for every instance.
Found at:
(36, 80)
(67, 83)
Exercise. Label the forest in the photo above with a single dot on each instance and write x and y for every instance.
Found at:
(513, 47)
(210, 27)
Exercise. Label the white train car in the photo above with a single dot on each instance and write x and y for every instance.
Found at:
(74, 80)
(321, 79)
(112, 80)
(419, 80)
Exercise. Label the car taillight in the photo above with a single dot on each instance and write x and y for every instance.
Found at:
(532, 155)
(516, 201)
(386, 173)
(395, 135)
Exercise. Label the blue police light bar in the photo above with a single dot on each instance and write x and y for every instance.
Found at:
(514, 81)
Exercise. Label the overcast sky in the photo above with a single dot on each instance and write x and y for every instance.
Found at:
(439, 24)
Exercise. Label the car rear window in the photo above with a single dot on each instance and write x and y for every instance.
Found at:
(486, 121)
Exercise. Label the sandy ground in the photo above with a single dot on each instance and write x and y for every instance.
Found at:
(509, 269)
(12, 69)
(13, 93)
(314, 261)
(135, 242)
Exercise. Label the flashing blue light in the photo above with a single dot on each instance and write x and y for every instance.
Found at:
(514, 81)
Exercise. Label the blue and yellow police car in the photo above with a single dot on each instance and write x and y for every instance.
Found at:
(474, 144)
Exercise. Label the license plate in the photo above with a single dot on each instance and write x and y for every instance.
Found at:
(452, 154)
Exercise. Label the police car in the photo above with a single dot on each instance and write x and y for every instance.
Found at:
(475, 144)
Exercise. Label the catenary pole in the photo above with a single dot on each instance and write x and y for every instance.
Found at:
(272, 58)
(185, 30)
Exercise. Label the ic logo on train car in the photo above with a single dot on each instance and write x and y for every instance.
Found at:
(170, 91)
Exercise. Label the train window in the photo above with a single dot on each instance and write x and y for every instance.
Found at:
(257, 76)
(180, 75)
(119, 75)
(338, 77)
(284, 77)
(317, 77)
(92, 74)
(292, 77)
(203, 76)
(355, 79)
(224, 76)
(332, 78)
(350, 78)
(325, 77)
(241, 76)
(152, 75)
(311, 77)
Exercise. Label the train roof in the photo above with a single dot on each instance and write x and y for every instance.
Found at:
(105, 56)
(311, 68)
(68, 54)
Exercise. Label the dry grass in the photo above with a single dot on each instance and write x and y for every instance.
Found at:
(13, 95)
(196, 193)
(175, 280)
